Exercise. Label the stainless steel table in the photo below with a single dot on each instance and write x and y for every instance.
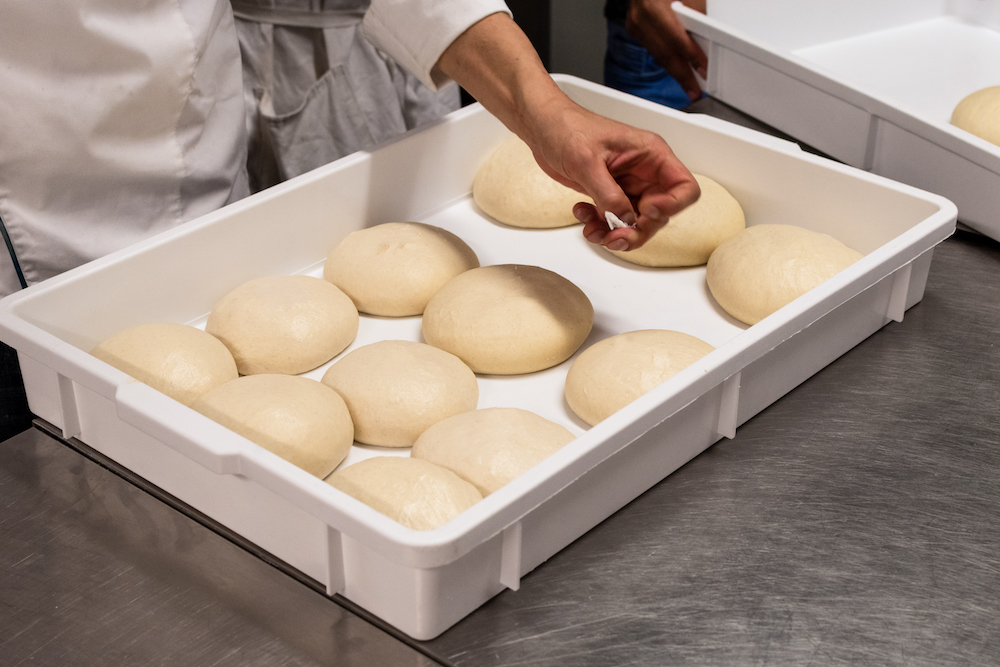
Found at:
(857, 520)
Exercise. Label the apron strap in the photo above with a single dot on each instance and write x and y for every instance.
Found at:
(298, 18)
(13, 255)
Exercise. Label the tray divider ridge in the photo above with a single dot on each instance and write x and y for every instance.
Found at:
(510, 557)
(899, 293)
(729, 404)
(336, 579)
(68, 407)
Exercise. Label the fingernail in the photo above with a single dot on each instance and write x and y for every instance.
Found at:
(651, 212)
(596, 237)
(629, 219)
(618, 245)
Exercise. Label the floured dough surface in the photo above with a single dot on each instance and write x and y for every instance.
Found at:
(509, 319)
(179, 360)
(513, 189)
(396, 389)
(393, 269)
(979, 114)
(416, 493)
(284, 324)
(490, 447)
(612, 373)
(691, 235)
(765, 267)
(301, 420)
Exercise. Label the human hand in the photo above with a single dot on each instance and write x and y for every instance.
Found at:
(627, 171)
(656, 26)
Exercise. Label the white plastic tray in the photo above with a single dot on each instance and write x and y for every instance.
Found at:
(870, 83)
(424, 582)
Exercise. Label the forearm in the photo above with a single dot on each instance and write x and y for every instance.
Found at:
(496, 63)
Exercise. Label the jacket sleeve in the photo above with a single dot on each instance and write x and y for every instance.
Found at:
(416, 32)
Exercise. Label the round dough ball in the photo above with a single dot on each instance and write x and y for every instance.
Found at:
(612, 373)
(301, 420)
(764, 267)
(394, 268)
(509, 319)
(979, 114)
(396, 389)
(181, 361)
(284, 324)
(691, 235)
(490, 447)
(512, 188)
(417, 494)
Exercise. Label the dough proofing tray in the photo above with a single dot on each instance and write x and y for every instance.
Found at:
(423, 582)
(870, 83)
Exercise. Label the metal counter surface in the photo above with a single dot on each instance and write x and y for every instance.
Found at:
(856, 520)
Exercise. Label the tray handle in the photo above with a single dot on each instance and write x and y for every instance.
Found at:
(178, 427)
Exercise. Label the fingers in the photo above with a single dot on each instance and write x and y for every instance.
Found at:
(597, 231)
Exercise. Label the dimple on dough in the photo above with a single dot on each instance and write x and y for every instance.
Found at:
(979, 114)
(396, 389)
(179, 360)
(301, 420)
(613, 372)
(513, 189)
(765, 267)
(415, 493)
(284, 324)
(490, 447)
(689, 238)
(509, 319)
(393, 269)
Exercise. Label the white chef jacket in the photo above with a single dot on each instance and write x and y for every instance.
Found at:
(121, 120)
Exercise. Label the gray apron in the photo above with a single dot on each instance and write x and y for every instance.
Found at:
(317, 90)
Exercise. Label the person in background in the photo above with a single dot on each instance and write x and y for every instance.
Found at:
(650, 54)
(123, 122)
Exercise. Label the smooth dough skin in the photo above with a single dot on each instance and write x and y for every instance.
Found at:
(979, 114)
(509, 319)
(284, 324)
(301, 420)
(415, 493)
(612, 373)
(765, 267)
(490, 447)
(513, 189)
(181, 361)
(393, 269)
(691, 235)
(396, 389)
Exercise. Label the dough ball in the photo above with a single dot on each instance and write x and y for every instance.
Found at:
(417, 494)
(512, 188)
(691, 235)
(301, 420)
(764, 267)
(284, 324)
(612, 373)
(394, 268)
(490, 447)
(979, 114)
(181, 361)
(397, 389)
(509, 318)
